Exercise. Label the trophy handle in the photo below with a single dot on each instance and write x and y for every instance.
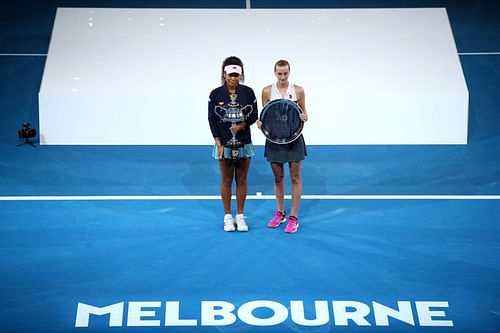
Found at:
(247, 113)
(220, 110)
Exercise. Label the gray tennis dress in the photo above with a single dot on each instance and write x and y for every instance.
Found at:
(290, 152)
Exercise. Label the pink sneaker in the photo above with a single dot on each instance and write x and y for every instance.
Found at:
(278, 218)
(292, 225)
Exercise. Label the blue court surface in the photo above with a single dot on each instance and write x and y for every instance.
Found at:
(129, 238)
(56, 254)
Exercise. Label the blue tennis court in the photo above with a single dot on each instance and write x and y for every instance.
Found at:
(57, 254)
(393, 238)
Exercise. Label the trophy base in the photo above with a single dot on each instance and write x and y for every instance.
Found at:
(233, 153)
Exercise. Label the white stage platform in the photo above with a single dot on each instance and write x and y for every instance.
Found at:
(143, 76)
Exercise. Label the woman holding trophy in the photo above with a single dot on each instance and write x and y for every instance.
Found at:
(282, 119)
(232, 109)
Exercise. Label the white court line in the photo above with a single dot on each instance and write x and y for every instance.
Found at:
(249, 197)
(248, 5)
(478, 53)
(23, 54)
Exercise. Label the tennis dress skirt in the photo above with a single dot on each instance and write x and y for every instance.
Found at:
(291, 152)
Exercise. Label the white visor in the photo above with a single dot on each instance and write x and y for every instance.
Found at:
(230, 69)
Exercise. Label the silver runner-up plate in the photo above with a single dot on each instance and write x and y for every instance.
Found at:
(281, 121)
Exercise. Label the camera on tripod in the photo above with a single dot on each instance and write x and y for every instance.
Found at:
(26, 132)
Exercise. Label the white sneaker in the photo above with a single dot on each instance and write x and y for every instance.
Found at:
(241, 223)
(228, 222)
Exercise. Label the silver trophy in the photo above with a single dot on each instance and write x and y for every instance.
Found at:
(233, 113)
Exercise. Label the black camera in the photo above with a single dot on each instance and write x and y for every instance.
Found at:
(26, 132)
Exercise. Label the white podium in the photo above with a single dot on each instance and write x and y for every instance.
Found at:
(143, 76)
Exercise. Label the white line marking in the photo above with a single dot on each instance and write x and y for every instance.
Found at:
(23, 54)
(248, 5)
(479, 53)
(249, 197)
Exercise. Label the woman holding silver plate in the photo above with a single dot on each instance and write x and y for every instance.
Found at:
(232, 109)
(288, 145)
